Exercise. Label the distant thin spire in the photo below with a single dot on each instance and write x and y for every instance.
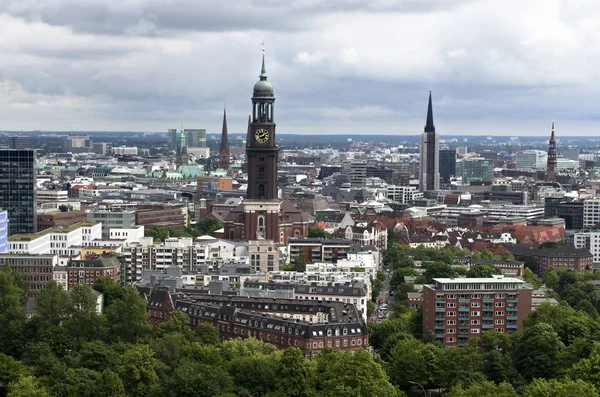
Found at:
(429, 127)
(263, 69)
(552, 139)
(224, 135)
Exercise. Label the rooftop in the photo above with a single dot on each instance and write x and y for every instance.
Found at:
(57, 229)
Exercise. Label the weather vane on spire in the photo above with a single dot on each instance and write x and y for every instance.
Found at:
(262, 44)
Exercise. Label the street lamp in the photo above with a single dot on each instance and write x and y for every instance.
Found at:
(417, 383)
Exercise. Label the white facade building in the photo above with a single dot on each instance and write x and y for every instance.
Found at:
(591, 212)
(531, 160)
(125, 151)
(63, 241)
(402, 194)
(591, 241)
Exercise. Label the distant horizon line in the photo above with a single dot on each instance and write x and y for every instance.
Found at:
(482, 136)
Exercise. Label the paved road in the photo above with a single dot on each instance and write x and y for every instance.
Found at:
(385, 293)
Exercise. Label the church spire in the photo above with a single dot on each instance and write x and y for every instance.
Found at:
(429, 127)
(224, 137)
(224, 149)
(552, 164)
(552, 139)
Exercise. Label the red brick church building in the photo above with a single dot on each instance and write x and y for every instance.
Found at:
(262, 215)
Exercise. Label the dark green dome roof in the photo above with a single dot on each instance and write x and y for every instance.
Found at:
(263, 88)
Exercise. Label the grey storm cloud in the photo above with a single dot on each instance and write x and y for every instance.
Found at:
(337, 65)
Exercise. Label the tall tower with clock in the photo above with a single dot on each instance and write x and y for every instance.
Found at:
(262, 215)
(261, 150)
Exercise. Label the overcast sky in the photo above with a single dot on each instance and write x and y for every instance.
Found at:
(337, 66)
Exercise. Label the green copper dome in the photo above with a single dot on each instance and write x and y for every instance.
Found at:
(263, 88)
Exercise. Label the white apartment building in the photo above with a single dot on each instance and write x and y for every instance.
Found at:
(591, 241)
(52, 195)
(184, 252)
(591, 212)
(403, 194)
(531, 160)
(131, 235)
(263, 255)
(125, 151)
(365, 236)
(63, 241)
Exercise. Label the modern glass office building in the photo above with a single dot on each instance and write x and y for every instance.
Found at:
(17, 189)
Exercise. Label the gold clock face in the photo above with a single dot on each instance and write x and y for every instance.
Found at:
(262, 135)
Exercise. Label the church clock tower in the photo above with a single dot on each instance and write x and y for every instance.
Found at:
(261, 149)
(262, 215)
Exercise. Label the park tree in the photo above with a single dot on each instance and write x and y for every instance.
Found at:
(10, 371)
(342, 374)
(531, 278)
(487, 389)
(208, 226)
(26, 386)
(84, 321)
(207, 334)
(295, 375)
(51, 305)
(559, 388)
(414, 361)
(482, 271)
(12, 311)
(317, 232)
(538, 353)
(197, 379)
(438, 270)
(137, 370)
(588, 369)
(111, 290)
(127, 317)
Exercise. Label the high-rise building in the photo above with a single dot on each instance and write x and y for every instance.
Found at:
(173, 138)
(3, 232)
(224, 148)
(17, 189)
(477, 169)
(429, 177)
(447, 164)
(456, 310)
(19, 142)
(552, 165)
(78, 143)
(195, 137)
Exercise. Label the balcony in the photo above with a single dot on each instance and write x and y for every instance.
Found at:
(488, 300)
(440, 301)
(511, 308)
(511, 318)
(463, 336)
(512, 300)
(439, 328)
(511, 326)
(463, 301)
(487, 318)
(440, 310)
(463, 309)
(487, 326)
(439, 336)
(466, 326)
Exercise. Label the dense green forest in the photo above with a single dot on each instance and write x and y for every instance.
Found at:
(67, 349)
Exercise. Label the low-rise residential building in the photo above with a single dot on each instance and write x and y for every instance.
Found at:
(36, 269)
(87, 271)
(310, 326)
(318, 249)
(456, 310)
(577, 259)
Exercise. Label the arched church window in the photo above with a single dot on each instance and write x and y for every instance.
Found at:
(231, 235)
(261, 170)
(281, 237)
(261, 221)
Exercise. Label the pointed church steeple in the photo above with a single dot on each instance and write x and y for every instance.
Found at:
(429, 126)
(224, 149)
(552, 139)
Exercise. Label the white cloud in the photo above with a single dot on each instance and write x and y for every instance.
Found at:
(139, 64)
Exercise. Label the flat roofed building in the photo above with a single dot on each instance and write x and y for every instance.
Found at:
(456, 310)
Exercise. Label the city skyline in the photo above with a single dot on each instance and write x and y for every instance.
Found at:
(339, 68)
